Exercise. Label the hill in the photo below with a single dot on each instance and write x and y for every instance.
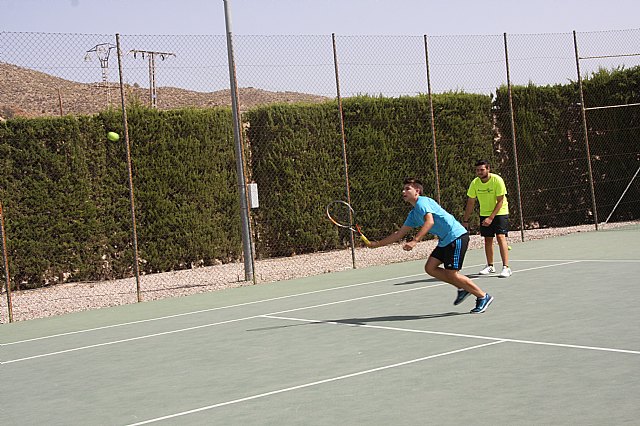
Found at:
(29, 93)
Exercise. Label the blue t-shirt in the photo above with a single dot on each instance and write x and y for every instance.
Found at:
(445, 226)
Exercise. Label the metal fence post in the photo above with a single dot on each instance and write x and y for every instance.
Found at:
(344, 144)
(586, 133)
(433, 123)
(513, 138)
(125, 126)
(5, 258)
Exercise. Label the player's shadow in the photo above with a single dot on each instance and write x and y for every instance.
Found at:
(435, 280)
(364, 321)
(391, 318)
(423, 280)
(479, 276)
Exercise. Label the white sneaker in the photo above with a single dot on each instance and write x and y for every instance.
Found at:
(506, 272)
(489, 269)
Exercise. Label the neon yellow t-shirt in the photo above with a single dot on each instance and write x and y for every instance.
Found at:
(486, 193)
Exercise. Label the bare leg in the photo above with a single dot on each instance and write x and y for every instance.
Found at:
(452, 277)
(488, 249)
(504, 248)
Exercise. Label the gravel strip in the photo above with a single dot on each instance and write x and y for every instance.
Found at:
(72, 297)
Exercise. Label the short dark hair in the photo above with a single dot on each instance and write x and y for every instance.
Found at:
(416, 183)
(483, 163)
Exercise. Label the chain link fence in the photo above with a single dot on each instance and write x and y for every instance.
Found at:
(548, 176)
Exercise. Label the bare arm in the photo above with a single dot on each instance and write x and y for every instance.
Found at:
(424, 230)
(393, 238)
(467, 211)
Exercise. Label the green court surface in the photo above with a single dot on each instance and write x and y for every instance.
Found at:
(376, 346)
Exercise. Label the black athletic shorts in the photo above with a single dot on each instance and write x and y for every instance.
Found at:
(500, 225)
(452, 255)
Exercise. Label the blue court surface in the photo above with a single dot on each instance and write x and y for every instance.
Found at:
(375, 346)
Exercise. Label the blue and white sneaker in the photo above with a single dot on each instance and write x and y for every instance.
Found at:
(462, 294)
(482, 304)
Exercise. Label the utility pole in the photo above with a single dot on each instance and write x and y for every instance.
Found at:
(102, 52)
(151, 55)
(237, 137)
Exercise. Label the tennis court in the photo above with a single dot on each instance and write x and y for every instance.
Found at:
(375, 346)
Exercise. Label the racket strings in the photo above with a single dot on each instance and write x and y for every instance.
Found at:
(341, 213)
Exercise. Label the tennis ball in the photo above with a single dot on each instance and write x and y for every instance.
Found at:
(509, 247)
(113, 136)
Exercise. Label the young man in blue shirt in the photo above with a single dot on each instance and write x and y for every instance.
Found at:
(452, 245)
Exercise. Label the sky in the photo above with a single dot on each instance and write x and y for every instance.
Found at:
(286, 45)
(318, 17)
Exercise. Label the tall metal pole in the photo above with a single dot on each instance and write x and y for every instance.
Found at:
(586, 133)
(125, 126)
(5, 257)
(237, 137)
(433, 124)
(344, 147)
(513, 138)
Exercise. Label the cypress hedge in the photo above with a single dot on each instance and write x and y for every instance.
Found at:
(552, 153)
(66, 196)
(614, 140)
(297, 161)
(65, 190)
(185, 187)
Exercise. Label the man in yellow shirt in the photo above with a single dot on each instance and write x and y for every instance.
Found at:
(491, 192)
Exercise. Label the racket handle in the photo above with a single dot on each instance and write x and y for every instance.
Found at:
(365, 240)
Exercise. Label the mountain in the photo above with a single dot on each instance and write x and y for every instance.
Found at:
(29, 93)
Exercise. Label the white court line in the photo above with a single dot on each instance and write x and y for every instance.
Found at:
(213, 309)
(11, 361)
(547, 266)
(250, 317)
(306, 385)
(106, 327)
(113, 342)
(441, 333)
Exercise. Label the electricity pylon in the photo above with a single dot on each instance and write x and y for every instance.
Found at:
(102, 52)
(151, 55)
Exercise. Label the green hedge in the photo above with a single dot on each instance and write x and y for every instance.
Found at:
(551, 158)
(296, 160)
(53, 219)
(614, 140)
(65, 191)
(297, 163)
(185, 187)
(551, 148)
(397, 142)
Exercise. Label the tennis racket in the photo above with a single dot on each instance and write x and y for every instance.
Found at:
(342, 214)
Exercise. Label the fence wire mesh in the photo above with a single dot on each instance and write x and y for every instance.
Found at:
(612, 126)
(47, 75)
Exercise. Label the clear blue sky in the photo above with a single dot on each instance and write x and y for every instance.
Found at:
(315, 17)
(540, 43)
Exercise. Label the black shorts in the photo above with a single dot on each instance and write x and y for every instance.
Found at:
(500, 225)
(452, 255)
